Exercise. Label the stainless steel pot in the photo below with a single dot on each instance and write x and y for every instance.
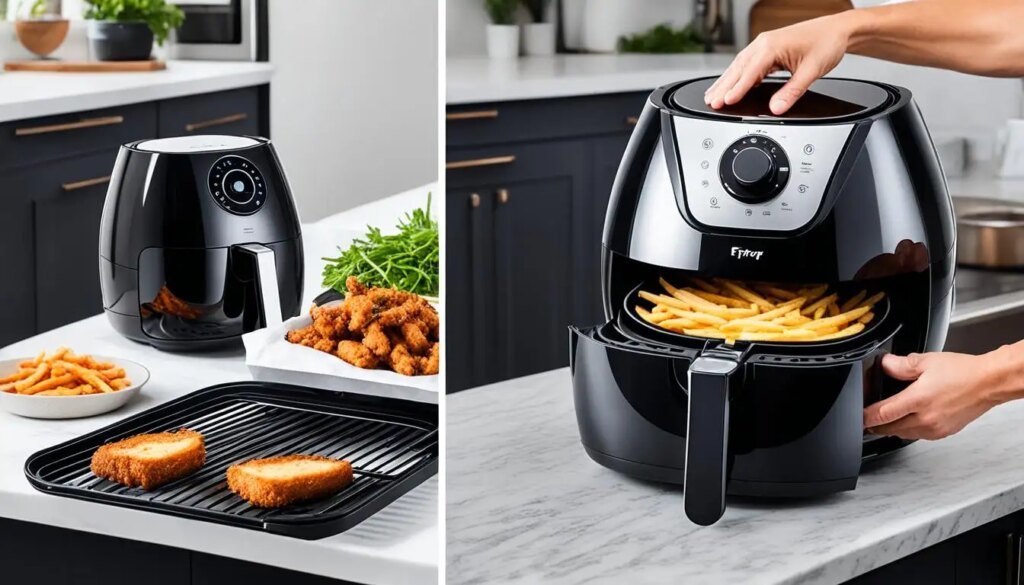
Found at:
(990, 234)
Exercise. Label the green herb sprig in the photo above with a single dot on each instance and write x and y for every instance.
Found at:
(408, 260)
(663, 39)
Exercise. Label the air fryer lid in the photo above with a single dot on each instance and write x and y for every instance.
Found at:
(827, 99)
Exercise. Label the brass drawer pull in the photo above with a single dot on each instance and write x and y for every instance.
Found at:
(193, 126)
(502, 196)
(86, 123)
(474, 200)
(474, 115)
(480, 162)
(85, 183)
(632, 120)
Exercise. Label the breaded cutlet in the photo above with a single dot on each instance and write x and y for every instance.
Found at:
(279, 481)
(150, 460)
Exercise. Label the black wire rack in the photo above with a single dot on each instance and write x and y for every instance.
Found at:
(391, 444)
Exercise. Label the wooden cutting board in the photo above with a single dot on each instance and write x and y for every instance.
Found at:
(772, 14)
(61, 66)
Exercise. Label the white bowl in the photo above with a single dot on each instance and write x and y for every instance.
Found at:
(55, 407)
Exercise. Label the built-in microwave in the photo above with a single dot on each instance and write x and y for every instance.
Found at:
(222, 30)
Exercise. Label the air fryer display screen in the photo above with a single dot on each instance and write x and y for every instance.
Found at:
(828, 98)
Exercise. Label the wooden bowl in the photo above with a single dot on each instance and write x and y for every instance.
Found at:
(42, 36)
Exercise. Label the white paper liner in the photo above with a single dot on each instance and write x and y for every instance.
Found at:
(271, 358)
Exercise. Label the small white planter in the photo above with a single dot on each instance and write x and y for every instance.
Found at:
(502, 41)
(573, 12)
(539, 38)
(606, 20)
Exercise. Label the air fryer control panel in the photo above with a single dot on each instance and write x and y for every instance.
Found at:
(756, 176)
(237, 185)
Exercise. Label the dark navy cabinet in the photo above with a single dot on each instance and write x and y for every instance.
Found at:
(528, 183)
(54, 173)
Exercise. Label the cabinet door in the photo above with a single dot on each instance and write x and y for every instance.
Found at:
(17, 285)
(233, 112)
(989, 553)
(469, 281)
(935, 565)
(68, 204)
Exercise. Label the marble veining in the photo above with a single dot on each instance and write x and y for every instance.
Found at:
(526, 505)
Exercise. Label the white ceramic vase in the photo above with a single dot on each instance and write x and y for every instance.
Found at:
(503, 41)
(604, 21)
(539, 38)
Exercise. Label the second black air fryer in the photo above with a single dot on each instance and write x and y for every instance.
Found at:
(199, 242)
(844, 189)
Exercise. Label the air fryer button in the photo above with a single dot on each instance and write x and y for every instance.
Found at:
(237, 185)
(750, 169)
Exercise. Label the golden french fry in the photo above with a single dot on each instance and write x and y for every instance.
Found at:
(87, 389)
(744, 325)
(50, 384)
(120, 383)
(704, 285)
(88, 376)
(813, 293)
(57, 355)
(719, 299)
(853, 302)
(659, 309)
(821, 303)
(712, 333)
(679, 324)
(819, 312)
(840, 319)
(747, 295)
(705, 318)
(866, 318)
(664, 300)
(92, 364)
(689, 298)
(646, 315)
(775, 291)
(38, 374)
(851, 330)
(872, 300)
(21, 374)
(39, 359)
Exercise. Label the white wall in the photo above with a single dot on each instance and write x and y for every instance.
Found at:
(353, 100)
(466, 22)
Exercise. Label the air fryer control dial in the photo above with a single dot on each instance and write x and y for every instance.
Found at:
(754, 169)
(237, 185)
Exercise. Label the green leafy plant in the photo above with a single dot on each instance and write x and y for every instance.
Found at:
(160, 16)
(536, 8)
(408, 260)
(501, 11)
(663, 39)
(36, 9)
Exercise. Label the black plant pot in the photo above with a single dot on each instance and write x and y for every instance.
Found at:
(110, 40)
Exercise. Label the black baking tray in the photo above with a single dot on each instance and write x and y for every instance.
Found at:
(392, 445)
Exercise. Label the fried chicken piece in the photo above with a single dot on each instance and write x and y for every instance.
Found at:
(356, 354)
(414, 336)
(306, 336)
(402, 361)
(377, 340)
(355, 287)
(280, 481)
(432, 363)
(362, 312)
(326, 345)
(150, 460)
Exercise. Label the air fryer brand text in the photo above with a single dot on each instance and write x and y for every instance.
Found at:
(738, 252)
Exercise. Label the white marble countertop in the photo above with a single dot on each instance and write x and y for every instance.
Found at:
(480, 79)
(526, 505)
(32, 94)
(399, 545)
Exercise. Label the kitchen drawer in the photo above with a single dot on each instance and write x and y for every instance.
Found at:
(503, 122)
(233, 112)
(67, 201)
(40, 140)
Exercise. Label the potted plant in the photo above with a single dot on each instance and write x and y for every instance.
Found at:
(502, 33)
(40, 30)
(538, 36)
(124, 30)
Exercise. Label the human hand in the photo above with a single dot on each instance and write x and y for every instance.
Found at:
(949, 391)
(808, 50)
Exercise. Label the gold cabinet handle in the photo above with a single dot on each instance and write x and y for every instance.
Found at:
(480, 162)
(473, 115)
(85, 123)
(84, 183)
(632, 120)
(502, 196)
(474, 200)
(193, 126)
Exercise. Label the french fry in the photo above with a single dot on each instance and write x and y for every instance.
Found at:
(120, 383)
(840, 319)
(821, 303)
(88, 376)
(853, 302)
(777, 292)
(679, 324)
(851, 330)
(646, 315)
(39, 359)
(664, 300)
(747, 295)
(50, 384)
(719, 299)
(705, 318)
(704, 285)
(744, 325)
(57, 355)
(866, 318)
(24, 372)
(712, 333)
(38, 374)
(689, 298)
(872, 300)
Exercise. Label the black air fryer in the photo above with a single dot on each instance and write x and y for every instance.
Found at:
(199, 241)
(844, 189)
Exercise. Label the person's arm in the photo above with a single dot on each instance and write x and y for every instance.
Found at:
(949, 390)
(963, 35)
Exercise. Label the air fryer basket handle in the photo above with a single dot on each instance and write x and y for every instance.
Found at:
(707, 436)
(266, 281)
